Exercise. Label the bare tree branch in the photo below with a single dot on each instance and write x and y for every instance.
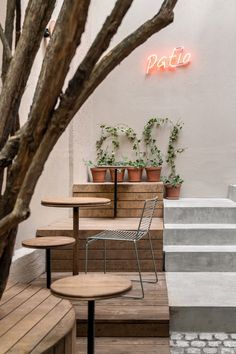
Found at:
(38, 13)
(72, 101)
(9, 27)
(62, 46)
(9, 151)
(100, 44)
(5, 44)
(18, 21)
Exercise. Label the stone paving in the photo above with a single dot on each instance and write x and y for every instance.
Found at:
(203, 343)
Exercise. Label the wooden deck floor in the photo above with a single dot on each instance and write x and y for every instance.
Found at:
(122, 317)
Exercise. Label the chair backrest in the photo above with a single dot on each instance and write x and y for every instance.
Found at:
(147, 214)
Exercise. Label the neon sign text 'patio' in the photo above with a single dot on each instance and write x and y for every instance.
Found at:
(177, 59)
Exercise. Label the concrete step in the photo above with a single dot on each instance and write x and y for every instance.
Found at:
(202, 302)
(200, 234)
(200, 258)
(200, 211)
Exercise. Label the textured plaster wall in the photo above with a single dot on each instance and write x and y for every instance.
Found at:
(202, 95)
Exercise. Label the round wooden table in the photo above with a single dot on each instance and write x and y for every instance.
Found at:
(91, 287)
(47, 243)
(75, 203)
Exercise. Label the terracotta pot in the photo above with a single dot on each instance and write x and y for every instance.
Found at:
(172, 192)
(120, 174)
(134, 174)
(153, 173)
(99, 174)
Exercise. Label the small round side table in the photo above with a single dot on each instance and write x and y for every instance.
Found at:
(48, 243)
(91, 287)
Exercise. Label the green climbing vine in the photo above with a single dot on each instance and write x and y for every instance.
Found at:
(154, 155)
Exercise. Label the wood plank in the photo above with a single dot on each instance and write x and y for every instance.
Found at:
(114, 254)
(122, 195)
(39, 330)
(16, 301)
(112, 266)
(107, 187)
(121, 213)
(117, 245)
(106, 328)
(126, 345)
(12, 291)
(99, 224)
(8, 340)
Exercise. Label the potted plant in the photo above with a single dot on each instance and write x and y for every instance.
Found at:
(135, 170)
(99, 168)
(153, 153)
(119, 165)
(172, 186)
(173, 182)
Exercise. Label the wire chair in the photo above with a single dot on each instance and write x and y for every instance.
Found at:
(130, 236)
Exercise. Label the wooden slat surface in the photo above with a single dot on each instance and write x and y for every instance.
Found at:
(130, 345)
(27, 316)
(98, 225)
(146, 187)
(127, 317)
(130, 197)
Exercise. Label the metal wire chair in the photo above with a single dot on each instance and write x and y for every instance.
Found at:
(130, 236)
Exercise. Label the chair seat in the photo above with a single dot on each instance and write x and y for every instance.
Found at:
(118, 235)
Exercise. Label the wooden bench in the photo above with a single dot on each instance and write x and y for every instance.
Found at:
(121, 258)
(34, 321)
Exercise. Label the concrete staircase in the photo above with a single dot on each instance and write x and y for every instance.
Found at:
(200, 258)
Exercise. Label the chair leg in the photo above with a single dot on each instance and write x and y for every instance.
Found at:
(153, 258)
(86, 256)
(105, 258)
(139, 268)
(140, 276)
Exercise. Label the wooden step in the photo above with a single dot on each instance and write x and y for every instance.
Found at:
(123, 317)
(127, 345)
(120, 255)
(130, 196)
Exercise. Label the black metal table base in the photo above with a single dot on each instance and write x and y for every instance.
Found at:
(115, 193)
(91, 326)
(48, 267)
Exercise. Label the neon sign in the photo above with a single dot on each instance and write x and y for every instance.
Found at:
(178, 58)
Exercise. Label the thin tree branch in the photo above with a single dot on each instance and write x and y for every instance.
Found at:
(9, 151)
(18, 21)
(98, 47)
(62, 46)
(37, 15)
(9, 27)
(72, 101)
(5, 44)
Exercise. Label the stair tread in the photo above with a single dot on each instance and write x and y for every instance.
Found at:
(200, 226)
(200, 248)
(102, 224)
(200, 203)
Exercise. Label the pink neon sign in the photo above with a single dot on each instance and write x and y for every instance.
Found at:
(178, 58)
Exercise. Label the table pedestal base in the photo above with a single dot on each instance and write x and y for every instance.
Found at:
(91, 326)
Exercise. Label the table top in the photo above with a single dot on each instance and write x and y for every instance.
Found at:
(91, 286)
(66, 202)
(48, 242)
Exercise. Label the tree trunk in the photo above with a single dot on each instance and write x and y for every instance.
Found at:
(6, 254)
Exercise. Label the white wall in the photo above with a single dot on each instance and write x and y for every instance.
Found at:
(202, 95)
